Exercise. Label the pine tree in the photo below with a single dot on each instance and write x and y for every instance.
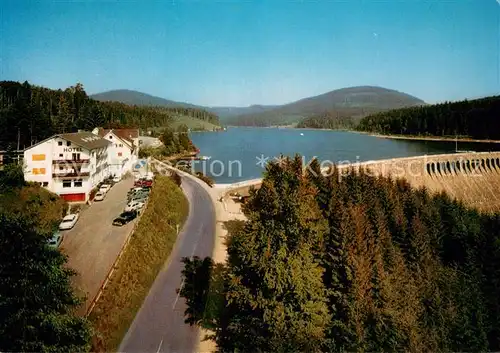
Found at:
(275, 285)
(36, 299)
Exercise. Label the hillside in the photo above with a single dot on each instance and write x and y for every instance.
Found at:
(477, 119)
(30, 113)
(227, 112)
(143, 99)
(355, 102)
(138, 98)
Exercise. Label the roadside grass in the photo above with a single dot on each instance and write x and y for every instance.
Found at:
(145, 255)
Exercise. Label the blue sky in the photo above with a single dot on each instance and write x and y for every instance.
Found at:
(254, 52)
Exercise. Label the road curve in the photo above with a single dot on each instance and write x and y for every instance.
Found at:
(159, 324)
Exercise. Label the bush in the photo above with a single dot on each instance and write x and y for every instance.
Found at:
(206, 179)
(176, 178)
(11, 176)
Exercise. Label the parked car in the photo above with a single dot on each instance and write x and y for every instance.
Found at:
(135, 189)
(140, 190)
(69, 221)
(139, 198)
(116, 179)
(99, 196)
(105, 188)
(56, 240)
(134, 206)
(137, 192)
(144, 183)
(124, 218)
(107, 181)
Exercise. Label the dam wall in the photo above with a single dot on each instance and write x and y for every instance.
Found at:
(473, 178)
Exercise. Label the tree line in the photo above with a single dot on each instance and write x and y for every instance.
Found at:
(350, 262)
(476, 119)
(37, 302)
(327, 120)
(30, 114)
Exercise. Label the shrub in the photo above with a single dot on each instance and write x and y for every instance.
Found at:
(176, 178)
(206, 179)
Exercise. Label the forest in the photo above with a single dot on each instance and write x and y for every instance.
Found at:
(477, 119)
(32, 113)
(37, 301)
(327, 121)
(350, 262)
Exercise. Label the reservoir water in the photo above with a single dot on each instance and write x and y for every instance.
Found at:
(239, 154)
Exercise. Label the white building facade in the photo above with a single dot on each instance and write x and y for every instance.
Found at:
(123, 151)
(70, 165)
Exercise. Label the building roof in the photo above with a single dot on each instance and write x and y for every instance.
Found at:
(125, 134)
(86, 140)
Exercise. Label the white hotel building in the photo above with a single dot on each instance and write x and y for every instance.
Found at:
(124, 149)
(72, 164)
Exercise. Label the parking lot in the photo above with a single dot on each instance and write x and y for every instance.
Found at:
(94, 243)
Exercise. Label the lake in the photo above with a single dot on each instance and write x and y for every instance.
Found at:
(237, 153)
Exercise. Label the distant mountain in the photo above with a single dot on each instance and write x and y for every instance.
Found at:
(227, 112)
(138, 98)
(354, 102)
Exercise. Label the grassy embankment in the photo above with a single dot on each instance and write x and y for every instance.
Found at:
(145, 255)
(40, 205)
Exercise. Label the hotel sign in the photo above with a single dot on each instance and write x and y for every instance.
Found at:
(72, 149)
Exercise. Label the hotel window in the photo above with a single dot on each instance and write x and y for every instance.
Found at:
(78, 183)
(61, 167)
(37, 171)
(38, 157)
(45, 183)
(66, 183)
(119, 154)
(59, 143)
(68, 143)
(76, 156)
(61, 155)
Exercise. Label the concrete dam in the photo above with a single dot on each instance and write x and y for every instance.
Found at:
(473, 178)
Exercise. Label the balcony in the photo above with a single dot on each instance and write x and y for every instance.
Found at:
(70, 174)
(71, 161)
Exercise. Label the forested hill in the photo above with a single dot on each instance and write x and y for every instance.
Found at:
(359, 264)
(36, 113)
(138, 98)
(479, 119)
(354, 102)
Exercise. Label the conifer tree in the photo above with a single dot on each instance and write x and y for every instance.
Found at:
(275, 286)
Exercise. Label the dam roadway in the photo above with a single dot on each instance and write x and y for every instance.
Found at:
(159, 324)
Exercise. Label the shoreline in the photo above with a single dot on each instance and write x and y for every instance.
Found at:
(392, 137)
(425, 138)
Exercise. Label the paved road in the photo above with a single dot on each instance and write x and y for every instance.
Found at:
(93, 244)
(159, 325)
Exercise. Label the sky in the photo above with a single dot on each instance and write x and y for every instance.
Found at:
(238, 53)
